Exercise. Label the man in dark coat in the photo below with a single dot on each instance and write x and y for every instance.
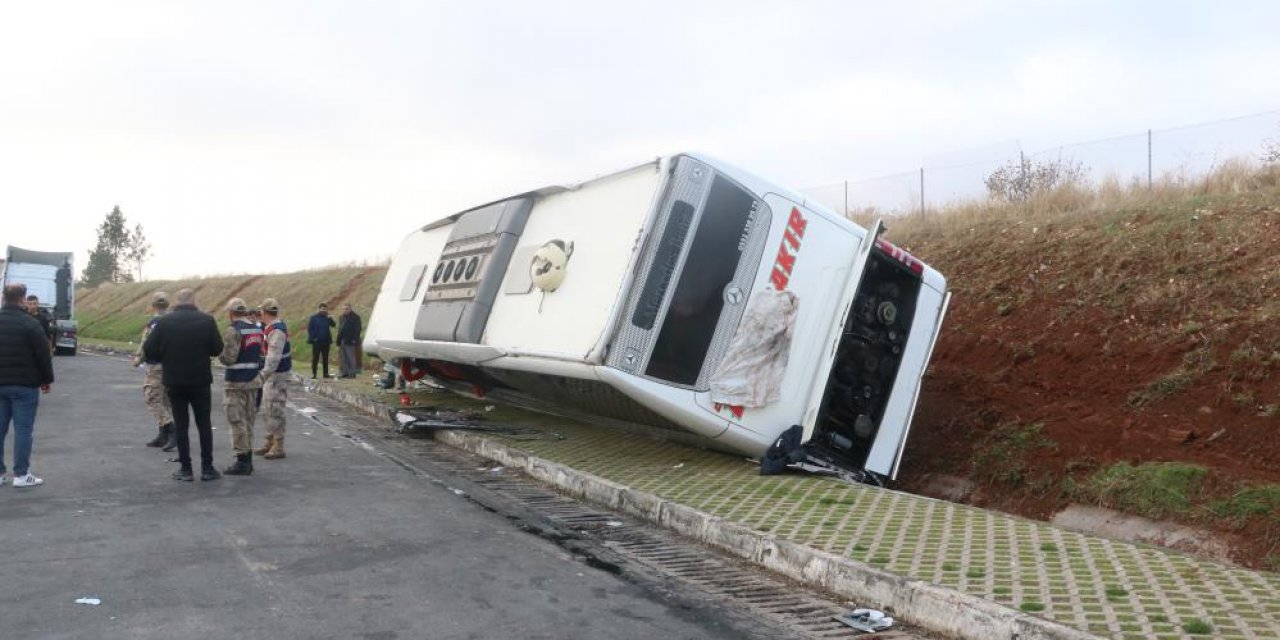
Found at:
(26, 370)
(183, 342)
(43, 317)
(320, 336)
(349, 328)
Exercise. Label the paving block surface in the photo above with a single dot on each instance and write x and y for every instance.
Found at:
(1105, 587)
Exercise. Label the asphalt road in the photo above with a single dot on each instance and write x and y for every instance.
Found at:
(334, 541)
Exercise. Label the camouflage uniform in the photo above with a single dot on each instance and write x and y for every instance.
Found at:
(238, 397)
(276, 371)
(275, 393)
(153, 383)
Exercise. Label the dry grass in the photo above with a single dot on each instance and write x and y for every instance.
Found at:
(1082, 198)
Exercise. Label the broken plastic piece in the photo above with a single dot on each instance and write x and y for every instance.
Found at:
(90, 601)
(868, 620)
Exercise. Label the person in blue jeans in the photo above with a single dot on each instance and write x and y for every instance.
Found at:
(26, 371)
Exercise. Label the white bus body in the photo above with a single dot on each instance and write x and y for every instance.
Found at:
(661, 264)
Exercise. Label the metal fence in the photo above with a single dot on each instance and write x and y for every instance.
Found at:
(1177, 154)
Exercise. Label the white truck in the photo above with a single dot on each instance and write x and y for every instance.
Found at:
(682, 294)
(48, 275)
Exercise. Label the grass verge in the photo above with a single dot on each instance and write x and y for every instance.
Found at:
(1153, 490)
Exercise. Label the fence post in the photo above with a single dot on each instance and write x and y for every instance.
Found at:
(921, 192)
(1023, 191)
(1148, 159)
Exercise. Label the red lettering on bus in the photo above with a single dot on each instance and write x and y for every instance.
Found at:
(779, 279)
(791, 238)
(734, 409)
(797, 222)
(786, 260)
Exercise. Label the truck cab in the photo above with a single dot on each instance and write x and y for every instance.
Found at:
(48, 275)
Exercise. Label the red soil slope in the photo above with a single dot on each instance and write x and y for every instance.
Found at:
(1140, 336)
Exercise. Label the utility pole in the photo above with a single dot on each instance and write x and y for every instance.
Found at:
(846, 198)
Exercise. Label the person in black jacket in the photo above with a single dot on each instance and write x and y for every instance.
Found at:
(41, 316)
(349, 328)
(183, 342)
(25, 366)
(320, 336)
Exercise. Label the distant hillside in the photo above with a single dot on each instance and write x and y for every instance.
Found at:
(119, 311)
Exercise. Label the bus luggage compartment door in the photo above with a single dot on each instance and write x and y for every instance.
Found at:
(469, 272)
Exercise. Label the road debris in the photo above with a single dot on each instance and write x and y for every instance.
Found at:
(868, 620)
(429, 420)
(89, 601)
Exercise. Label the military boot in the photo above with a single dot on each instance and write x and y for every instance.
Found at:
(207, 472)
(162, 436)
(172, 442)
(277, 449)
(183, 473)
(265, 447)
(243, 466)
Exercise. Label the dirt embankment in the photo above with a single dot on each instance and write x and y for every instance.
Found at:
(1079, 352)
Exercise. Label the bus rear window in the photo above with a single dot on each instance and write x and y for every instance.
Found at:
(694, 312)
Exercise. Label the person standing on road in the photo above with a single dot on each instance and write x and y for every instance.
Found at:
(320, 336)
(26, 371)
(43, 317)
(183, 342)
(276, 369)
(349, 328)
(153, 393)
(242, 354)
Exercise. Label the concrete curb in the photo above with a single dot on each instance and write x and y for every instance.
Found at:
(938, 609)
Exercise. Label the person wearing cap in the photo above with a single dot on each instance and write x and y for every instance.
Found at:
(243, 343)
(183, 341)
(275, 379)
(320, 336)
(153, 393)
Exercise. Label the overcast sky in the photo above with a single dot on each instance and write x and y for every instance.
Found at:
(271, 136)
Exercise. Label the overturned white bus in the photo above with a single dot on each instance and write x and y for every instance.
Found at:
(682, 294)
